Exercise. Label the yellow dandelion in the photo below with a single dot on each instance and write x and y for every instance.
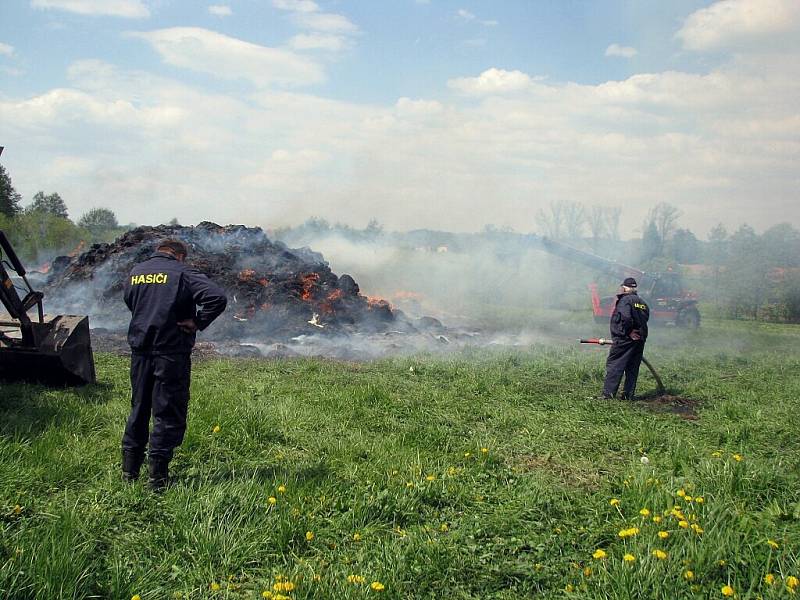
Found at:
(792, 582)
(659, 554)
(688, 498)
(281, 489)
(309, 536)
(569, 588)
(356, 537)
(772, 544)
(699, 500)
(716, 454)
(681, 493)
(697, 529)
(614, 502)
(727, 590)
(688, 575)
(409, 484)
(599, 554)
(738, 457)
(683, 524)
(484, 450)
(587, 572)
(769, 579)
(216, 429)
(722, 563)
(17, 509)
(467, 454)
(663, 534)
(645, 512)
(431, 477)
(377, 586)
(355, 579)
(215, 587)
(272, 500)
(444, 527)
(136, 597)
(657, 519)
(283, 586)
(629, 558)
(267, 594)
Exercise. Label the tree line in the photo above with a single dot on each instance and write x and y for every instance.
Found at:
(43, 227)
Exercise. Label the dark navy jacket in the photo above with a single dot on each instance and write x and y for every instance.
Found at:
(630, 313)
(161, 291)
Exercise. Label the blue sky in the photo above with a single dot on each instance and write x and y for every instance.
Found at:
(433, 113)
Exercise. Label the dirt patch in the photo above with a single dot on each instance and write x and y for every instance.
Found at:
(569, 475)
(685, 408)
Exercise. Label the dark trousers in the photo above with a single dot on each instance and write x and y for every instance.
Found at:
(625, 357)
(160, 385)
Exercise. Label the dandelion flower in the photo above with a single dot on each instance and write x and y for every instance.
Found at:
(629, 558)
(377, 586)
(657, 519)
(659, 554)
(272, 500)
(309, 536)
(485, 450)
(688, 575)
(587, 572)
(683, 524)
(599, 554)
(614, 502)
(663, 534)
(444, 527)
(792, 582)
(772, 544)
(136, 597)
(215, 586)
(17, 509)
(281, 489)
(645, 512)
(681, 493)
(688, 498)
(738, 457)
(356, 537)
(716, 454)
(727, 590)
(409, 484)
(769, 578)
(699, 499)
(697, 529)
(355, 579)
(568, 588)
(216, 429)
(431, 477)
(266, 594)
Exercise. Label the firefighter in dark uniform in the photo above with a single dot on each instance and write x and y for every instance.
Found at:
(629, 333)
(169, 302)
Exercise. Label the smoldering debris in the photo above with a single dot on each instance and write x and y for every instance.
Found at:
(275, 294)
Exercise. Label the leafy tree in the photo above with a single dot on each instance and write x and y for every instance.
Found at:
(49, 203)
(685, 247)
(651, 242)
(9, 198)
(98, 221)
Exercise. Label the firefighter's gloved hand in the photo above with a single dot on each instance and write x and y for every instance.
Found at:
(636, 335)
(188, 326)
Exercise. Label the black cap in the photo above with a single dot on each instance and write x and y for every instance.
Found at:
(629, 282)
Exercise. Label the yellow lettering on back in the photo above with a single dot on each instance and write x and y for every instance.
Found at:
(160, 278)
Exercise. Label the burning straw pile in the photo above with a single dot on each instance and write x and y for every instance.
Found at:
(274, 293)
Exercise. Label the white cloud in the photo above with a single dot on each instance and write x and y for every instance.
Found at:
(327, 22)
(296, 5)
(728, 23)
(317, 41)
(492, 81)
(466, 15)
(131, 9)
(231, 58)
(409, 107)
(6, 50)
(623, 51)
(220, 10)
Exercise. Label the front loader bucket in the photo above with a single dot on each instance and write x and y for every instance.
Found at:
(61, 356)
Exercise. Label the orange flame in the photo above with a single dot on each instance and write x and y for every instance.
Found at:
(247, 275)
(308, 285)
(79, 248)
(375, 302)
(45, 268)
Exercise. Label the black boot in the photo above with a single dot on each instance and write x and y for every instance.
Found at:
(159, 473)
(131, 465)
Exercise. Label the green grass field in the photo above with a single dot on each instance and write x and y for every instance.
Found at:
(481, 475)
